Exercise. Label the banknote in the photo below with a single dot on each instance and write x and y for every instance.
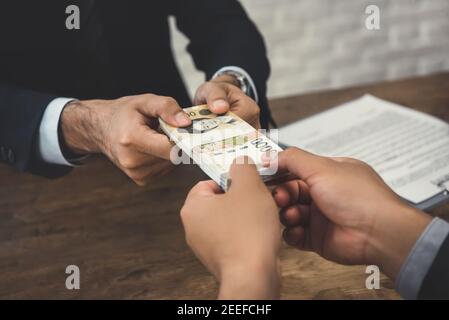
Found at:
(215, 141)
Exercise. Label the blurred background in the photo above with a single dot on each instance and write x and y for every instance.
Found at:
(321, 44)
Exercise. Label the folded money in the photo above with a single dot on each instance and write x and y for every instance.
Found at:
(214, 141)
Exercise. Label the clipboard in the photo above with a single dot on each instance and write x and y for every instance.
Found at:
(433, 202)
(424, 184)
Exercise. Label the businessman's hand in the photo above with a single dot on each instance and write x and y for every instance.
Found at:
(236, 235)
(223, 94)
(126, 131)
(341, 209)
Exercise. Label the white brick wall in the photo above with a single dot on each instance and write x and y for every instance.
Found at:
(318, 44)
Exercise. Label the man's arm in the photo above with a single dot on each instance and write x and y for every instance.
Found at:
(221, 35)
(341, 209)
(21, 112)
(39, 132)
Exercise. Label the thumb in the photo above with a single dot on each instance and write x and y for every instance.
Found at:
(204, 188)
(165, 108)
(301, 163)
(216, 97)
(244, 175)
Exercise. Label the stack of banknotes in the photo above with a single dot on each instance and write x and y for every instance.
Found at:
(215, 141)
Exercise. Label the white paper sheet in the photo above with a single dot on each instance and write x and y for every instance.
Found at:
(409, 149)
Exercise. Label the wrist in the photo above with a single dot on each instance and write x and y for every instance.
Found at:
(227, 78)
(241, 79)
(80, 127)
(258, 279)
(394, 236)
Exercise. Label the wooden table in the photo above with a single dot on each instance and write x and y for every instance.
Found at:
(129, 242)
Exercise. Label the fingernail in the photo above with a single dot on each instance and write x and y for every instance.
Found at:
(220, 104)
(182, 119)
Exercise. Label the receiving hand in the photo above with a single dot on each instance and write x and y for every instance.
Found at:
(341, 209)
(236, 235)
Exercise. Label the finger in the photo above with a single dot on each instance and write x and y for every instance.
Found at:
(148, 141)
(205, 188)
(344, 159)
(289, 193)
(297, 215)
(301, 163)
(244, 175)
(138, 160)
(295, 237)
(165, 108)
(281, 197)
(216, 97)
(143, 176)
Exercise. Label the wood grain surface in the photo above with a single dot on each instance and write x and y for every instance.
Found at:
(128, 241)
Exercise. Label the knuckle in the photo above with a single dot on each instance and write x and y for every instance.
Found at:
(133, 101)
(137, 177)
(355, 161)
(188, 240)
(122, 99)
(126, 98)
(125, 140)
(207, 85)
(213, 89)
(140, 183)
(184, 213)
(129, 163)
(142, 99)
(364, 165)
(293, 154)
(290, 151)
(127, 102)
(168, 101)
(201, 89)
(147, 96)
(201, 184)
(255, 110)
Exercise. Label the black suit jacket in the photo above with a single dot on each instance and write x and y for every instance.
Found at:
(123, 48)
(436, 282)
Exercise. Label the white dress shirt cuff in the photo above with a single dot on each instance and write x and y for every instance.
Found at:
(48, 140)
(243, 73)
(420, 259)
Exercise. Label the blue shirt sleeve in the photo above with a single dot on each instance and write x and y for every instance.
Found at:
(420, 259)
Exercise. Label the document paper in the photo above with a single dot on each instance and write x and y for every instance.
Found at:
(409, 149)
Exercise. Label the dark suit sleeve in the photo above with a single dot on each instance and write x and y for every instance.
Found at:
(436, 282)
(221, 34)
(20, 116)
